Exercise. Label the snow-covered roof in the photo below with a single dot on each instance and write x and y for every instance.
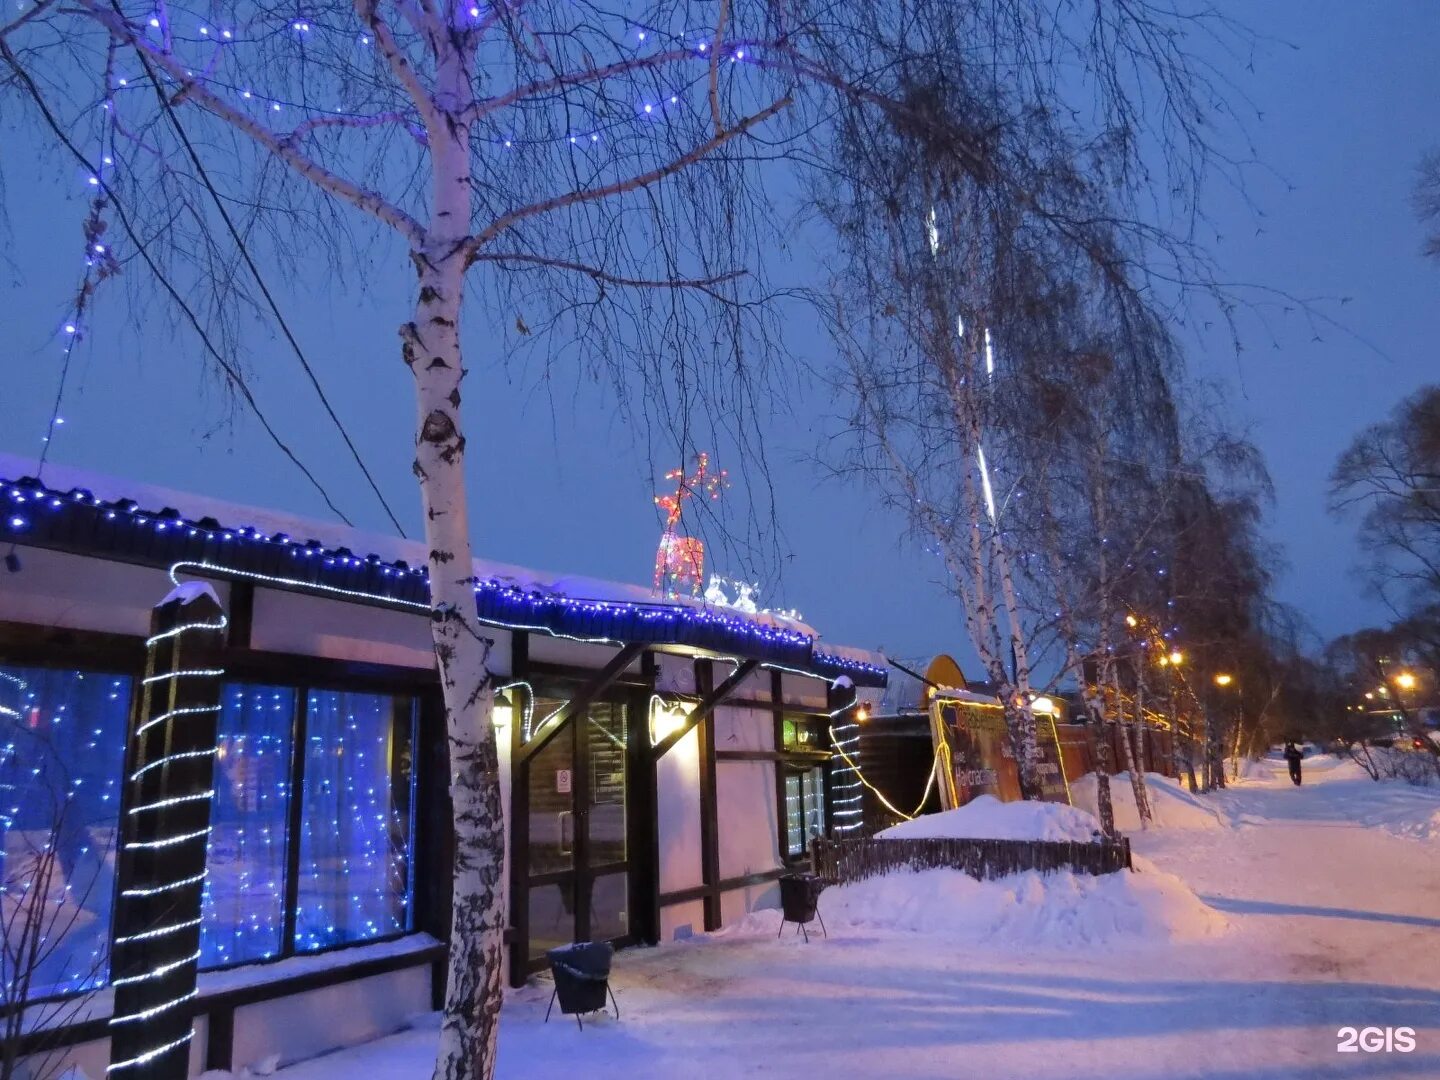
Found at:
(311, 552)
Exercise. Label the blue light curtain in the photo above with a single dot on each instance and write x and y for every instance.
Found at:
(62, 748)
(243, 917)
(355, 833)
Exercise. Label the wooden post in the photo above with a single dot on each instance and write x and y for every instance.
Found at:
(164, 831)
(709, 801)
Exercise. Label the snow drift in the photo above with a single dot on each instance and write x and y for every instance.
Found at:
(1024, 911)
(1170, 801)
(987, 818)
(1061, 910)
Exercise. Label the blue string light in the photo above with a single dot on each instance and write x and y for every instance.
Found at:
(38, 512)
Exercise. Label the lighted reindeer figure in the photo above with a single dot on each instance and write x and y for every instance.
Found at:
(680, 560)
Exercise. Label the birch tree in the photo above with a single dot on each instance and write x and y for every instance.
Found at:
(561, 166)
(963, 200)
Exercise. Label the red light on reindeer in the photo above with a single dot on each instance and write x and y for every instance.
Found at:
(680, 560)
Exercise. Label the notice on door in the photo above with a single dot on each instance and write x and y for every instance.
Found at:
(562, 781)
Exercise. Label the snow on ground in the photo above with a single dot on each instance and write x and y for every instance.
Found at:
(1331, 919)
(1031, 910)
(1173, 805)
(987, 818)
(1393, 806)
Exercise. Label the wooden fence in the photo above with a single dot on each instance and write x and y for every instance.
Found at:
(856, 858)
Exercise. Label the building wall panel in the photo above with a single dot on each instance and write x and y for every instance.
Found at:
(314, 626)
(306, 1025)
(747, 816)
(80, 593)
(678, 814)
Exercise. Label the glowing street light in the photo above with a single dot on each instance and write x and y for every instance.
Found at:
(1224, 680)
(1405, 681)
(1176, 657)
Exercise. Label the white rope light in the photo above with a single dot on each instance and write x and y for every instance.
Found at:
(206, 673)
(170, 841)
(158, 762)
(151, 1055)
(220, 624)
(174, 800)
(196, 710)
(156, 890)
(146, 935)
(156, 1010)
(155, 973)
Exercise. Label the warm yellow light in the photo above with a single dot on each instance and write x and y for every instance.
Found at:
(1369, 696)
(502, 713)
(1043, 705)
(1177, 657)
(862, 714)
(666, 719)
(1223, 680)
(1384, 691)
(1405, 681)
(1131, 621)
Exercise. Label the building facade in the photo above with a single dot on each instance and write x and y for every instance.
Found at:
(662, 763)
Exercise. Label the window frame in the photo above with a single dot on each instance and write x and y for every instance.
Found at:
(18, 651)
(108, 653)
(799, 758)
(294, 811)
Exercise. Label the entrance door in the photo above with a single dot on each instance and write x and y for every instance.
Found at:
(579, 869)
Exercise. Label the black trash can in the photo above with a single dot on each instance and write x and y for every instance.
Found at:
(582, 978)
(800, 902)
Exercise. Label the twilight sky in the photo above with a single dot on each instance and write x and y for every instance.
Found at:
(558, 484)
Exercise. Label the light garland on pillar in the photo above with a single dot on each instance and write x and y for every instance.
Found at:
(216, 625)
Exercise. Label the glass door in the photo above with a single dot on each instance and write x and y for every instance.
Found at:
(579, 880)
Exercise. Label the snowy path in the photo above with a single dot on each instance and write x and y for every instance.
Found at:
(1335, 920)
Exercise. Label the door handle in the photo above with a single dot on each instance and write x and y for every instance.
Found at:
(566, 817)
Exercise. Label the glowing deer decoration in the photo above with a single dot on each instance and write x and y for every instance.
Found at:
(680, 560)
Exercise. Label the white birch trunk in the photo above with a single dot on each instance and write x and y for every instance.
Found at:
(1137, 780)
(1012, 690)
(431, 349)
(1027, 744)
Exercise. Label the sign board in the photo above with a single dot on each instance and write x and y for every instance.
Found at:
(562, 781)
(975, 745)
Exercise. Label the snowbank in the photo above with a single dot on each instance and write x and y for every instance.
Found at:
(987, 818)
(1023, 911)
(1170, 801)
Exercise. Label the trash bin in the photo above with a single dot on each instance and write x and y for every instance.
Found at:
(582, 978)
(800, 902)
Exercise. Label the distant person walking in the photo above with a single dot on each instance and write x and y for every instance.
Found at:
(1292, 758)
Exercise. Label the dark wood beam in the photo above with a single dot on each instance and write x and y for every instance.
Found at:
(581, 699)
(700, 892)
(709, 800)
(777, 718)
(519, 819)
(705, 707)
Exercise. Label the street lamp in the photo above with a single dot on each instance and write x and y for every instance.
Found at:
(1405, 681)
(1176, 658)
(1224, 680)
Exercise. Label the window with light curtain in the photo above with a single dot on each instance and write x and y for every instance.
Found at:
(244, 907)
(355, 825)
(62, 739)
